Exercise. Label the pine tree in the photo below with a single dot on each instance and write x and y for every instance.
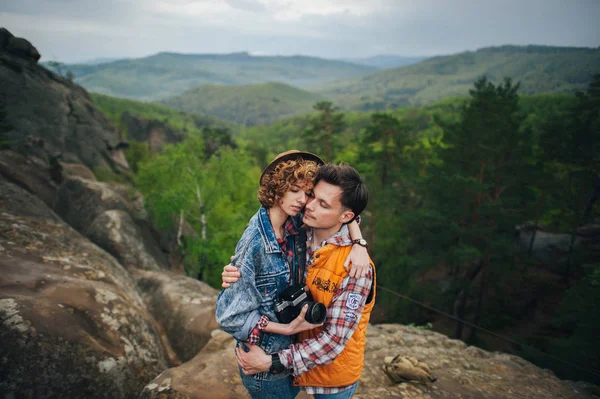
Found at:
(477, 189)
(324, 129)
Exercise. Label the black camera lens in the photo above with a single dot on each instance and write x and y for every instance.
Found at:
(289, 305)
(316, 313)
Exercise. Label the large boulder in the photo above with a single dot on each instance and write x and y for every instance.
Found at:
(79, 201)
(16, 200)
(73, 323)
(116, 232)
(462, 371)
(156, 133)
(71, 170)
(212, 374)
(18, 46)
(546, 246)
(185, 307)
(552, 247)
(50, 116)
(113, 216)
(32, 173)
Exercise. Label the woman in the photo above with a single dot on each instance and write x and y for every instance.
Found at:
(267, 256)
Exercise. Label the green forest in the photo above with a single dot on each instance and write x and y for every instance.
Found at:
(459, 190)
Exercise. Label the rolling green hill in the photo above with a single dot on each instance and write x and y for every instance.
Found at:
(114, 107)
(250, 105)
(170, 74)
(540, 69)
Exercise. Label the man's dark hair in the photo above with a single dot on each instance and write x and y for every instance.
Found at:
(355, 194)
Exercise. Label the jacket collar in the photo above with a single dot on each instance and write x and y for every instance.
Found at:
(267, 233)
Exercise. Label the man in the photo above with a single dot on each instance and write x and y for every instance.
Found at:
(337, 348)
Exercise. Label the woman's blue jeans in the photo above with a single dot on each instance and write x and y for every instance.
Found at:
(270, 389)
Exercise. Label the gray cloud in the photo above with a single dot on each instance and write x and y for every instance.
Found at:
(73, 30)
(247, 5)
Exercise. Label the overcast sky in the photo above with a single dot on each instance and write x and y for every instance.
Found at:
(76, 30)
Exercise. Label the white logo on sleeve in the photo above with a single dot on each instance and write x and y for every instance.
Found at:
(351, 317)
(353, 301)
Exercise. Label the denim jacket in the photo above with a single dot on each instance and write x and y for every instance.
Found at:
(265, 274)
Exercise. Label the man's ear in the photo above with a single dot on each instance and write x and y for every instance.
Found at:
(347, 216)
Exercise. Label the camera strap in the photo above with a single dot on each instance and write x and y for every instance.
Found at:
(300, 247)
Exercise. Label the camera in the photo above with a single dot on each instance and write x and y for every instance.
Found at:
(289, 305)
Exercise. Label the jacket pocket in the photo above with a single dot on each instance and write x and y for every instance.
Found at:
(267, 289)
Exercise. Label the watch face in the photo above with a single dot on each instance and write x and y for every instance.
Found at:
(363, 242)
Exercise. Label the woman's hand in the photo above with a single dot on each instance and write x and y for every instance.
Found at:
(230, 275)
(359, 258)
(294, 327)
(300, 324)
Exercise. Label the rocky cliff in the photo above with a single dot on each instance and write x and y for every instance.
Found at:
(49, 116)
(82, 315)
(462, 371)
(86, 309)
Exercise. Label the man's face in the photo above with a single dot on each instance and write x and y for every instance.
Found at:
(324, 210)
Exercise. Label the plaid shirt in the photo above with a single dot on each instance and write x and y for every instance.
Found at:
(288, 230)
(338, 327)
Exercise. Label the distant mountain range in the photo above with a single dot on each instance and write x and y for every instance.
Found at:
(385, 61)
(100, 60)
(251, 105)
(169, 74)
(239, 87)
(539, 69)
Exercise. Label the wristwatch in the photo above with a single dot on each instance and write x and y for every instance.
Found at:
(276, 366)
(360, 241)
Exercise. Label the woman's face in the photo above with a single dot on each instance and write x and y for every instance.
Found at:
(293, 201)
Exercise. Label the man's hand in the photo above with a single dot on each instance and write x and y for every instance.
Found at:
(359, 258)
(300, 324)
(230, 275)
(254, 361)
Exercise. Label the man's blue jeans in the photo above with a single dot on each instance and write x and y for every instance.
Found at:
(347, 394)
(270, 389)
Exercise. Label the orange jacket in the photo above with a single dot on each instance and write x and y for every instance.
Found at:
(328, 270)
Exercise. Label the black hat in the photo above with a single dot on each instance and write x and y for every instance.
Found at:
(288, 155)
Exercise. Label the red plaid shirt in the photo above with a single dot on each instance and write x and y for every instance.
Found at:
(339, 324)
(288, 230)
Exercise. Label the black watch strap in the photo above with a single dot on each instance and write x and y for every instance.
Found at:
(360, 241)
(276, 366)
